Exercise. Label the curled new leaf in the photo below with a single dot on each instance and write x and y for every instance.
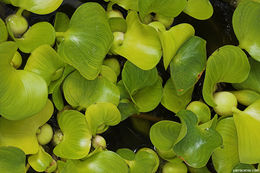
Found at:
(19, 89)
(22, 133)
(87, 41)
(79, 91)
(199, 9)
(12, 158)
(191, 56)
(76, 141)
(3, 31)
(38, 7)
(195, 145)
(246, 27)
(227, 64)
(141, 44)
(102, 115)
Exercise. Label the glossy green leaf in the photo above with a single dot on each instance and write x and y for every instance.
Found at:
(40, 161)
(141, 44)
(227, 64)
(172, 101)
(191, 56)
(113, 64)
(12, 158)
(248, 125)
(44, 61)
(79, 91)
(175, 167)
(105, 161)
(196, 141)
(76, 141)
(117, 24)
(199, 9)
(144, 87)
(61, 22)
(3, 31)
(108, 73)
(19, 89)
(201, 110)
(169, 8)
(246, 97)
(252, 82)
(102, 115)
(126, 153)
(39, 34)
(226, 157)
(38, 7)
(88, 40)
(172, 40)
(164, 134)
(146, 161)
(246, 27)
(22, 133)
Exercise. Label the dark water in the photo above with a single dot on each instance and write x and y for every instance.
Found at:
(217, 31)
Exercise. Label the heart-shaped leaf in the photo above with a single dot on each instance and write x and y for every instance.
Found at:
(105, 161)
(19, 89)
(41, 161)
(76, 141)
(22, 133)
(169, 8)
(38, 7)
(246, 26)
(143, 86)
(88, 40)
(102, 115)
(172, 40)
(252, 82)
(79, 91)
(248, 125)
(191, 56)
(227, 64)
(199, 9)
(12, 158)
(141, 44)
(226, 157)
(44, 61)
(172, 101)
(3, 31)
(196, 141)
(39, 34)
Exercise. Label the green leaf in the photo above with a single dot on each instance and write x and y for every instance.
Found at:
(175, 167)
(226, 157)
(141, 44)
(105, 161)
(201, 110)
(108, 73)
(76, 140)
(246, 97)
(40, 161)
(227, 64)
(146, 161)
(168, 8)
(244, 168)
(196, 141)
(3, 31)
(164, 134)
(127, 108)
(246, 27)
(44, 61)
(38, 7)
(39, 34)
(12, 158)
(61, 22)
(144, 87)
(113, 64)
(22, 133)
(172, 101)
(126, 153)
(248, 125)
(19, 89)
(172, 40)
(88, 40)
(102, 115)
(199, 9)
(252, 82)
(191, 56)
(79, 91)
(127, 4)
(117, 24)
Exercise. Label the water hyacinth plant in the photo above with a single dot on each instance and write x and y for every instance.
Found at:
(129, 86)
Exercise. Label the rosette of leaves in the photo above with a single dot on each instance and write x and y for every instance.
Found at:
(144, 87)
(20, 89)
(87, 40)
